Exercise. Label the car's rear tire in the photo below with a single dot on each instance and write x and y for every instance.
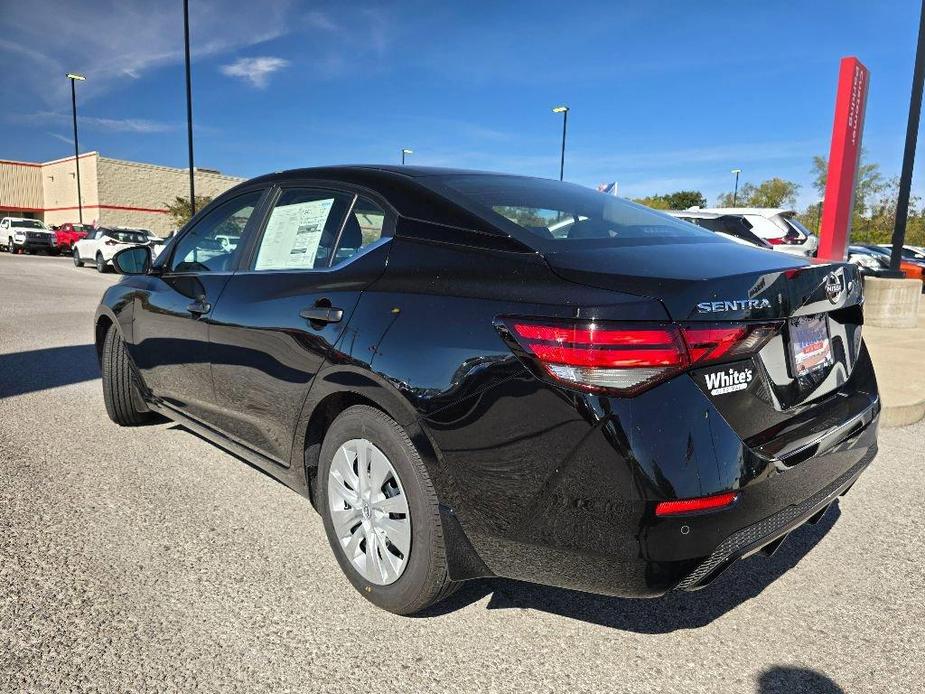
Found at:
(124, 403)
(403, 582)
(101, 264)
(77, 261)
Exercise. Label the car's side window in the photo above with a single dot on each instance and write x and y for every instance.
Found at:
(364, 226)
(302, 230)
(202, 250)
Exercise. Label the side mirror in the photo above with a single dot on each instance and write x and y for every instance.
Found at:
(133, 261)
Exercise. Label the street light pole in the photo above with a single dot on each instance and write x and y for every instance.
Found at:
(189, 111)
(564, 111)
(74, 77)
(405, 151)
(735, 192)
(912, 131)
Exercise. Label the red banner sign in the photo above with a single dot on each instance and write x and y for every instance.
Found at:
(850, 104)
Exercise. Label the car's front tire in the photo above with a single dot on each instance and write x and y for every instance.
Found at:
(124, 403)
(381, 513)
(101, 264)
(77, 261)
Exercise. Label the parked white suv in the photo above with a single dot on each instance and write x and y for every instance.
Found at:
(18, 234)
(777, 226)
(102, 244)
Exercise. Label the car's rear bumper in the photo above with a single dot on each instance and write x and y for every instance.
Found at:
(767, 534)
(567, 496)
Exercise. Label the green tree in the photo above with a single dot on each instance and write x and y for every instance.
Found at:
(525, 216)
(179, 209)
(869, 187)
(775, 192)
(679, 200)
(656, 202)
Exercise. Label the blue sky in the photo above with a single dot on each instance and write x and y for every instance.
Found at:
(664, 95)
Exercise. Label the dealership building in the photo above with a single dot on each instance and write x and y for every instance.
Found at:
(113, 192)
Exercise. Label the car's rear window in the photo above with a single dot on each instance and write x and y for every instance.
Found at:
(127, 236)
(559, 215)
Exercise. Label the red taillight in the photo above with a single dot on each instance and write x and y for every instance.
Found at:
(777, 242)
(722, 342)
(598, 357)
(703, 503)
(628, 358)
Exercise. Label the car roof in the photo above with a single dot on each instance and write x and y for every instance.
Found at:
(693, 214)
(376, 172)
(761, 211)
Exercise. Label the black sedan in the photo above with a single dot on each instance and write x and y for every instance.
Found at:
(473, 374)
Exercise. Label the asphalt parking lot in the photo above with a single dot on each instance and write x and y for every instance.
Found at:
(149, 560)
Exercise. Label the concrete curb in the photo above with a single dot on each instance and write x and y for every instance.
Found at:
(902, 415)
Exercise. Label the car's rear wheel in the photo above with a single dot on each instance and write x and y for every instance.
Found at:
(100, 263)
(381, 513)
(124, 403)
(77, 261)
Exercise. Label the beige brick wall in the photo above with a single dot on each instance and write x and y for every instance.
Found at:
(112, 191)
(20, 186)
(59, 189)
(147, 189)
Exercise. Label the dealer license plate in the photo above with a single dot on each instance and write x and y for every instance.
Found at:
(810, 345)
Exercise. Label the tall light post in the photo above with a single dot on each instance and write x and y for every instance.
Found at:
(563, 109)
(912, 131)
(735, 192)
(405, 151)
(189, 111)
(74, 77)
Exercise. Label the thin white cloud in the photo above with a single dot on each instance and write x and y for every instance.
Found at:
(119, 125)
(127, 125)
(257, 71)
(136, 36)
(320, 20)
(62, 138)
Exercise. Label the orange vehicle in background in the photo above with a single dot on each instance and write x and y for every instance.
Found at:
(912, 270)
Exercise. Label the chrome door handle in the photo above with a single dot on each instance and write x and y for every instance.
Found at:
(322, 314)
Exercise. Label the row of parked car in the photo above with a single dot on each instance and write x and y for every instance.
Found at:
(85, 243)
(778, 229)
(772, 228)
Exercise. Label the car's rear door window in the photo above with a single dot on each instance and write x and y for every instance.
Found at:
(366, 224)
(302, 230)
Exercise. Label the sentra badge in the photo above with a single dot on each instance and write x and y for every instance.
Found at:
(729, 381)
(737, 305)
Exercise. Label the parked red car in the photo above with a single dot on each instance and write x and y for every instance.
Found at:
(68, 234)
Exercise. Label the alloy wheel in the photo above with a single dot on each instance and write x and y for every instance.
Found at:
(369, 511)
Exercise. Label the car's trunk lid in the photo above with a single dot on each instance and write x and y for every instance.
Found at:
(724, 283)
(698, 281)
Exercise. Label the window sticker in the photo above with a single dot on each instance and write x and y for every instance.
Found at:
(293, 234)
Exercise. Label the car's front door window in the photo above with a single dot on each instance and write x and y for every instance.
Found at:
(202, 250)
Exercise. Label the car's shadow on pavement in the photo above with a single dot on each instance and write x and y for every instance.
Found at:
(41, 369)
(796, 680)
(741, 582)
